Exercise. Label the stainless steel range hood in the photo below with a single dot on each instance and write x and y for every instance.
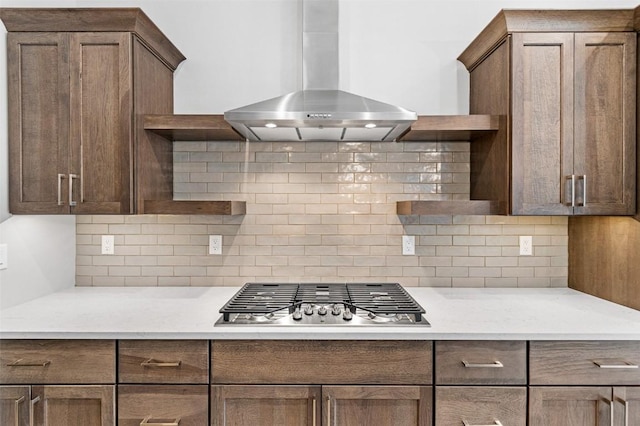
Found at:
(320, 112)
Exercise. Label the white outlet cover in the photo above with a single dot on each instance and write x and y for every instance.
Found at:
(526, 245)
(408, 245)
(108, 244)
(215, 244)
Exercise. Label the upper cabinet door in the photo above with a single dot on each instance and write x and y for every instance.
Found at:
(38, 86)
(542, 123)
(101, 122)
(605, 123)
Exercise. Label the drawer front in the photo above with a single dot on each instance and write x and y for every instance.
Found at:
(163, 361)
(183, 405)
(481, 405)
(321, 362)
(57, 361)
(584, 363)
(481, 362)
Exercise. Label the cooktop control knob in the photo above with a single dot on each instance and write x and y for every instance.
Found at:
(297, 315)
(322, 310)
(308, 310)
(347, 315)
(336, 310)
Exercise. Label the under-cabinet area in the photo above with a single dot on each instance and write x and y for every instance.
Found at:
(314, 382)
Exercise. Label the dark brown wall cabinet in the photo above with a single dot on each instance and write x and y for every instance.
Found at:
(80, 81)
(569, 98)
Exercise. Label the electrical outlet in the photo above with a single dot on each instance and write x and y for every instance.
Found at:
(4, 260)
(215, 244)
(526, 245)
(408, 245)
(108, 245)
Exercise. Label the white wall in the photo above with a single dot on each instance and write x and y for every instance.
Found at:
(243, 51)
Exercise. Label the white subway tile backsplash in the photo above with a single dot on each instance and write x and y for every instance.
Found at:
(322, 212)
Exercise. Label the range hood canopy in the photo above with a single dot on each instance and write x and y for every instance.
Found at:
(320, 112)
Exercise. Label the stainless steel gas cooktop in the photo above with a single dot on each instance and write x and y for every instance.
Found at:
(356, 304)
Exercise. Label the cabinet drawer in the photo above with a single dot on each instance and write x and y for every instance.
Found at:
(584, 363)
(481, 362)
(321, 362)
(186, 405)
(163, 361)
(481, 405)
(57, 361)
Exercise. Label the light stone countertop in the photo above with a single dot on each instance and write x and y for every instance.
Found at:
(190, 313)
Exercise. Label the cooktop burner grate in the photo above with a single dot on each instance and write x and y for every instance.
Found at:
(378, 299)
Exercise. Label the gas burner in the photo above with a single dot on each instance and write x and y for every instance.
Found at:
(322, 304)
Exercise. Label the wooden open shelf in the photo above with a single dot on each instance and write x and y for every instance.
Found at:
(195, 207)
(450, 128)
(211, 127)
(472, 207)
(192, 128)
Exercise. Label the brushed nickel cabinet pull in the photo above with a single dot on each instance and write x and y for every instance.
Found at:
(19, 363)
(313, 408)
(495, 423)
(625, 366)
(71, 178)
(494, 364)
(573, 190)
(626, 413)
(328, 411)
(146, 421)
(151, 363)
(32, 409)
(583, 178)
(60, 177)
(17, 403)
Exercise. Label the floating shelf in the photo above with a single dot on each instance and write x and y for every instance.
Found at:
(191, 127)
(472, 207)
(451, 128)
(195, 207)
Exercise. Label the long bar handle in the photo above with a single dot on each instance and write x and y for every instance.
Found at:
(60, 177)
(17, 403)
(495, 423)
(625, 366)
(151, 363)
(583, 178)
(573, 189)
(313, 409)
(328, 411)
(18, 363)
(32, 409)
(71, 178)
(146, 421)
(494, 364)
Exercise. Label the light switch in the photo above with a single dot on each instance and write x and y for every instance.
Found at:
(4, 261)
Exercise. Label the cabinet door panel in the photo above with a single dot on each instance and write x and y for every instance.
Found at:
(565, 406)
(74, 405)
(627, 406)
(101, 114)
(163, 404)
(377, 405)
(38, 85)
(542, 132)
(481, 405)
(268, 405)
(605, 116)
(14, 405)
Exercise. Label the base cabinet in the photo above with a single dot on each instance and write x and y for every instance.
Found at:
(481, 405)
(14, 405)
(321, 405)
(377, 405)
(184, 405)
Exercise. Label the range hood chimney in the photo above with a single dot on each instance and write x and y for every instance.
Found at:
(320, 112)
